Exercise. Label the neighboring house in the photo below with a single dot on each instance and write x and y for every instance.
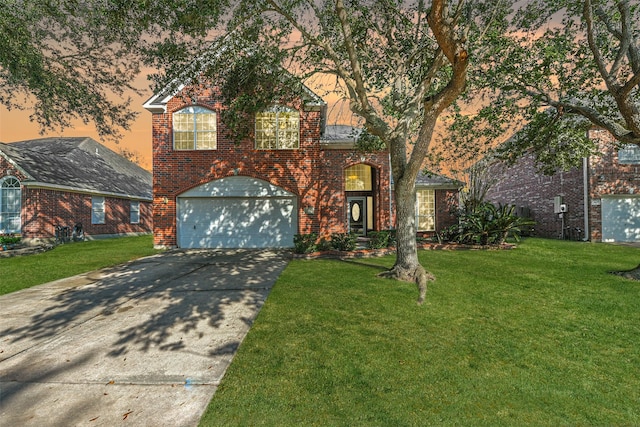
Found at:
(599, 201)
(294, 176)
(50, 182)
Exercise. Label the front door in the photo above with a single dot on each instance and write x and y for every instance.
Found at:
(357, 215)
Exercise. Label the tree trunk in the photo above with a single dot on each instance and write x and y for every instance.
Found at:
(407, 267)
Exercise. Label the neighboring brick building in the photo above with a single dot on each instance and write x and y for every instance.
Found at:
(599, 201)
(295, 175)
(50, 182)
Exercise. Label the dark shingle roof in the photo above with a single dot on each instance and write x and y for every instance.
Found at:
(81, 164)
(432, 180)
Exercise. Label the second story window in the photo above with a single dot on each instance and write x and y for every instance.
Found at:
(278, 129)
(194, 128)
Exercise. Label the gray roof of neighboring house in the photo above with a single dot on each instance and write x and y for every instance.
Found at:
(438, 182)
(339, 137)
(78, 164)
(341, 133)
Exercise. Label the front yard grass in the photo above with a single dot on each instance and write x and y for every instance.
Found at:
(21, 272)
(538, 335)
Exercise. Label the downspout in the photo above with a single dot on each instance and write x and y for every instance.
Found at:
(585, 178)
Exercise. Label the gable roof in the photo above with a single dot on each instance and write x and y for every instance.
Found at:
(158, 101)
(77, 164)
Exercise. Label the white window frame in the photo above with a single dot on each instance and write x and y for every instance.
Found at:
(629, 154)
(358, 177)
(134, 212)
(195, 131)
(425, 208)
(97, 210)
(10, 205)
(272, 131)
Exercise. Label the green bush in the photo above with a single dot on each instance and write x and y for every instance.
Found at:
(305, 243)
(9, 239)
(344, 241)
(487, 224)
(380, 239)
(324, 245)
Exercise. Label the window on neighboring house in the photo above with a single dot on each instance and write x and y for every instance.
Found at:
(278, 129)
(134, 212)
(97, 210)
(629, 155)
(194, 128)
(10, 202)
(425, 210)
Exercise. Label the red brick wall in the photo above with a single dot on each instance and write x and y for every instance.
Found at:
(608, 177)
(44, 209)
(523, 186)
(332, 202)
(314, 175)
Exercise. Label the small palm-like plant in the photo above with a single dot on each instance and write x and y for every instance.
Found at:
(506, 223)
(488, 224)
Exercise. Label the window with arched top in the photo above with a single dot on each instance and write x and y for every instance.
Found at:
(278, 129)
(358, 178)
(10, 203)
(194, 128)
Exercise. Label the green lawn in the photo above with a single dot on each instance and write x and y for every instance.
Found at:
(66, 260)
(538, 335)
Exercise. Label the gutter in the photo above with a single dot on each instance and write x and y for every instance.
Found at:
(47, 186)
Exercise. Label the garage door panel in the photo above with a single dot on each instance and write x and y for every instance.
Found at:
(621, 219)
(236, 222)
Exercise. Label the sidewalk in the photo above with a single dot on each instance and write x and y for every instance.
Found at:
(143, 344)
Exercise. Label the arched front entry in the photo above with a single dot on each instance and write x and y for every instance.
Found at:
(360, 190)
(237, 212)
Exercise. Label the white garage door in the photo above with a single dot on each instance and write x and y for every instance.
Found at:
(621, 219)
(237, 212)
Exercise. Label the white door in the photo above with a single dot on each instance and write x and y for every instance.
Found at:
(621, 219)
(236, 212)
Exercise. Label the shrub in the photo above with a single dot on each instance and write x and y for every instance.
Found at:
(487, 224)
(324, 245)
(380, 239)
(9, 239)
(344, 241)
(305, 243)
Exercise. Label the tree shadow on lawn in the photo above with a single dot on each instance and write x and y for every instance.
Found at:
(363, 263)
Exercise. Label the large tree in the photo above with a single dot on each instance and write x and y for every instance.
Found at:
(77, 59)
(559, 67)
(398, 64)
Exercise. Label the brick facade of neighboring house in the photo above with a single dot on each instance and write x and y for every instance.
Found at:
(602, 197)
(53, 182)
(237, 194)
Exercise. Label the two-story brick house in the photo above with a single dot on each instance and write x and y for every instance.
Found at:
(294, 175)
(599, 201)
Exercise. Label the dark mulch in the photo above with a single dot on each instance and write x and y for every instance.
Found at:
(633, 274)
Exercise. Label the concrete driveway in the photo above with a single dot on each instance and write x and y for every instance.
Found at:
(142, 344)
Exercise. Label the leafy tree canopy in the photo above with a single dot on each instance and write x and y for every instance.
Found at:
(76, 59)
(559, 67)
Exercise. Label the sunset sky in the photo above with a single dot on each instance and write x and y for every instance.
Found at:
(16, 126)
